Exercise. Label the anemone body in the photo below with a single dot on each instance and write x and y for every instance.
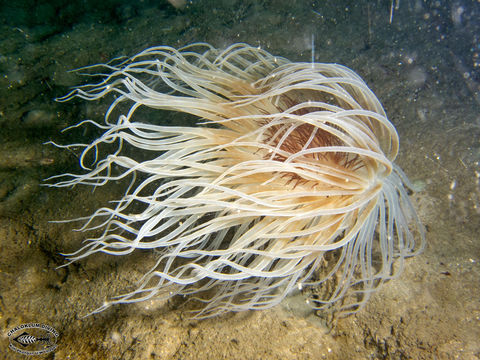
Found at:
(289, 162)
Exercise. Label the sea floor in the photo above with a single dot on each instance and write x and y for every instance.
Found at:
(424, 66)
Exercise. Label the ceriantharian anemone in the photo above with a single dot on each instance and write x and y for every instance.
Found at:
(289, 162)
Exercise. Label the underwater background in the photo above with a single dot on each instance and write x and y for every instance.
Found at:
(421, 59)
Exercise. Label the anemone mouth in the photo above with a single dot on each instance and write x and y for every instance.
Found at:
(291, 161)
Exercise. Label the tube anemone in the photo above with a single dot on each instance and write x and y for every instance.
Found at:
(286, 182)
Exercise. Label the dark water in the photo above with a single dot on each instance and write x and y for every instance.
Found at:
(422, 60)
